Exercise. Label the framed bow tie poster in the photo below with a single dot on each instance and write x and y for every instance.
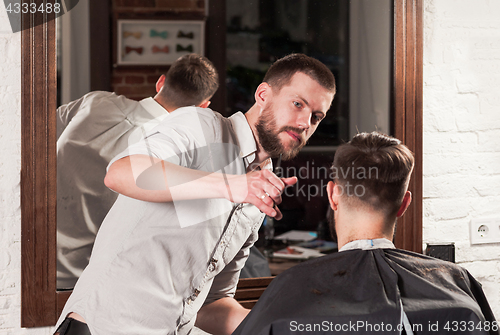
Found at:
(152, 42)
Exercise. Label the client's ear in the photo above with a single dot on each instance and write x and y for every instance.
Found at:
(333, 194)
(405, 204)
(160, 83)
(205, 104)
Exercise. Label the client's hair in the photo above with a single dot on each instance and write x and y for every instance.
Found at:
(191, 80)
(377, 167)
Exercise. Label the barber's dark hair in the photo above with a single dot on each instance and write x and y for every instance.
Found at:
(191, 80)
(387, 165)
(282, 71)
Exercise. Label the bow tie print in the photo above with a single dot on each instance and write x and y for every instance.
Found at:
(154, 33)
(129, 33)
(128, 50)
(182, 34)
(157, 49)
(180, 48)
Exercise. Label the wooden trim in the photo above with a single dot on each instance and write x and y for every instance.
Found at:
(408, 95)
(61, 297)
(249, 293)
(249, 290)
(216, 50)
(248, 304)
(100, 34)
(38, 170)
(254, 282)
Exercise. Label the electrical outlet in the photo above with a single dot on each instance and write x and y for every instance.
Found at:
(484, 231)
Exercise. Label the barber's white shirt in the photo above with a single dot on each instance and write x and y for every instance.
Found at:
(154, 265)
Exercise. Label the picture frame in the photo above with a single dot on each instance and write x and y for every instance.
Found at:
(158, 42)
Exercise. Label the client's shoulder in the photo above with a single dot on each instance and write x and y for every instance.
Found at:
(337, 264)
(423, 264)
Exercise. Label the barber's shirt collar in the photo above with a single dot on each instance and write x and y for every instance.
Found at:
(248, 147)
(378, 243)
(153, 107)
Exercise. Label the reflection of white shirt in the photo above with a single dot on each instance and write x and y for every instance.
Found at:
(147, 275)
(91, 131)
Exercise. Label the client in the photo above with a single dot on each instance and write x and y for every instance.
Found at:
(369, 287)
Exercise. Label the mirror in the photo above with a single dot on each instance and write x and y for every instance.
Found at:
(41, 303)
(352, 38)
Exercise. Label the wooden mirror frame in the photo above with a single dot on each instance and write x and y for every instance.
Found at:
(40, 301)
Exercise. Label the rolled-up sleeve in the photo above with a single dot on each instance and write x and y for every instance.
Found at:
(224, 284)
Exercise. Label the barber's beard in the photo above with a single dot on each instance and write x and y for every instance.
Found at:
(269, 140)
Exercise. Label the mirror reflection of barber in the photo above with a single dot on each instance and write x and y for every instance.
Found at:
(91, 131)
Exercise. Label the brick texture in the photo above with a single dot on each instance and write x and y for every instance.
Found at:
(152, 79)
(139, 82)
(170, 5)
(117, 79)
(135, 3)
(134, 80)
(462, 131)
(136, 83)
(135, 91)
(180, 4)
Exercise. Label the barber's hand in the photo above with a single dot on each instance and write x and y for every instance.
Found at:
(262, 189)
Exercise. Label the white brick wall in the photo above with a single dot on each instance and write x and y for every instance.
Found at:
(462, 130)
(10, 166)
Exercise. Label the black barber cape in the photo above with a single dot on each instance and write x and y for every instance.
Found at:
(362, 292)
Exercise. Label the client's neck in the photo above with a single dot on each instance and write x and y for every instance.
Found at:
(358, 224)
(167, 106)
